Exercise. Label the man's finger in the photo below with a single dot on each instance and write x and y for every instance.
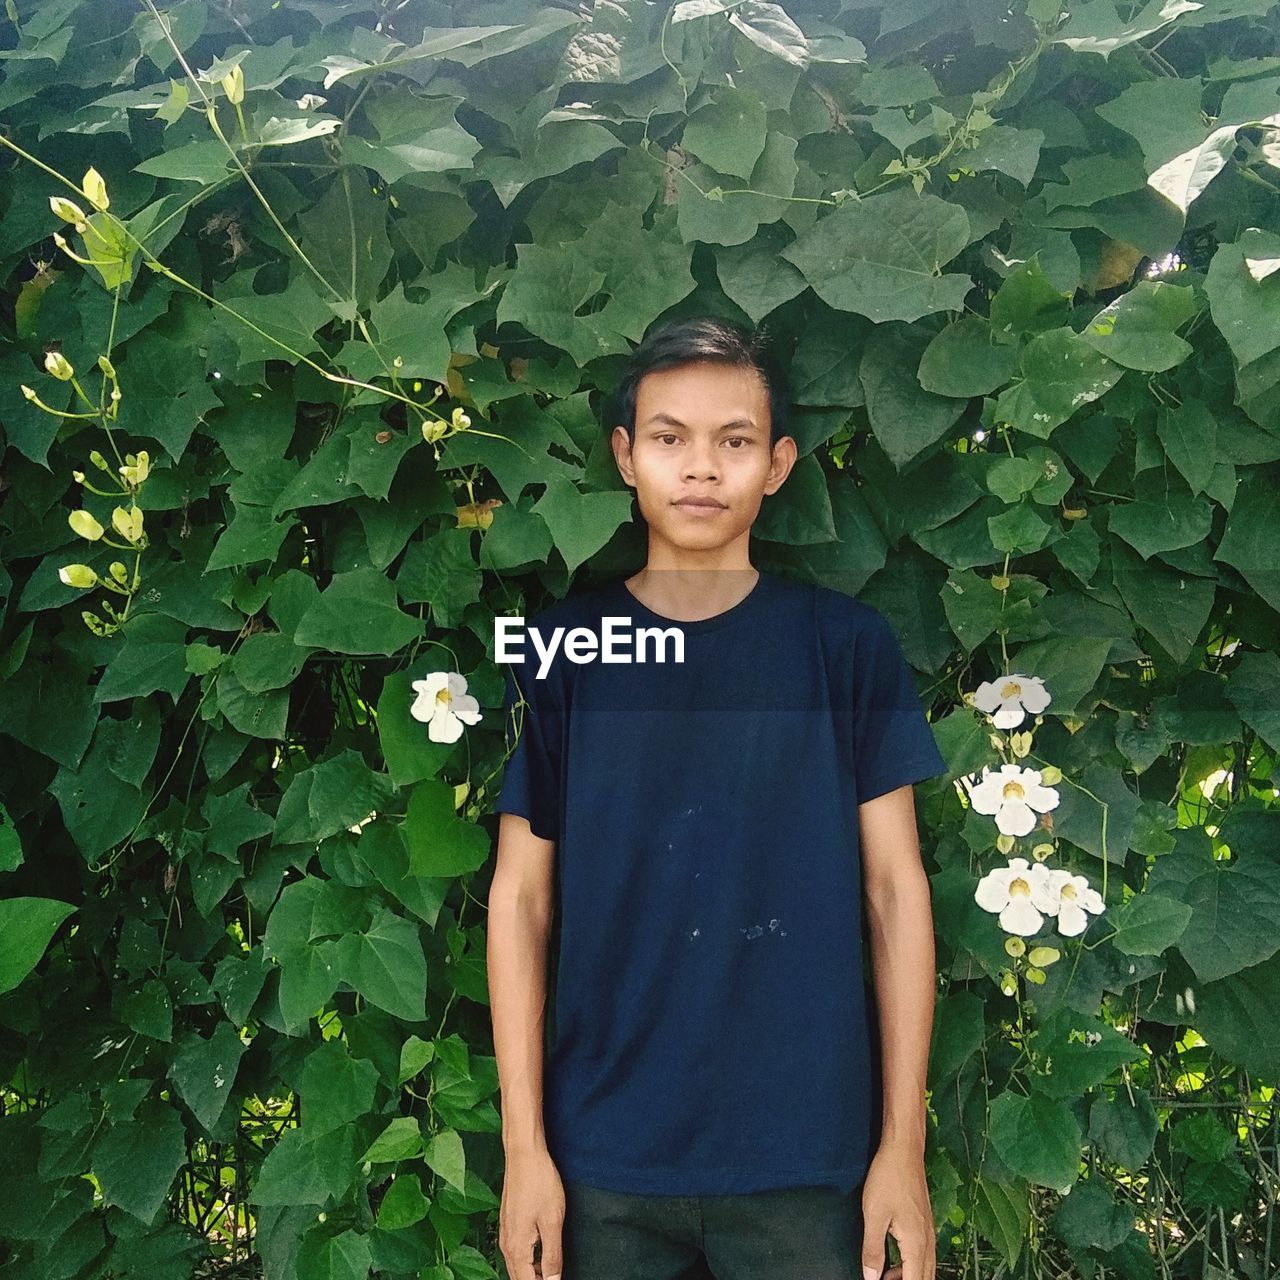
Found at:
(873, 1232)
(551, 1231)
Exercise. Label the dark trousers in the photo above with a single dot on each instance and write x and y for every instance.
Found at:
(794, 1233)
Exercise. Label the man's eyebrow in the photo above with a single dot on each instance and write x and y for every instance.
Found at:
(735, 423)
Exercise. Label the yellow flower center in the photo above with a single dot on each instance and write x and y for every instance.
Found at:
(1069, 891)
(444, 695)
(1010, 689)
(1013, 791)
(1019, 886)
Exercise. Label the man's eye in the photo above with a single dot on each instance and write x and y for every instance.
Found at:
(665, 438)
(738, 440)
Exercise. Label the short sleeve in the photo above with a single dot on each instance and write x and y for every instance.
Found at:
(531, 782)
(893, 742)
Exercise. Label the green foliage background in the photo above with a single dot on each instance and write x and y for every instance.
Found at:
(1022, 262)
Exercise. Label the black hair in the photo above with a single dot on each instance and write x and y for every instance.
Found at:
(691, 339)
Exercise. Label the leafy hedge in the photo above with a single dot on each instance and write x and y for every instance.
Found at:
(314, 310)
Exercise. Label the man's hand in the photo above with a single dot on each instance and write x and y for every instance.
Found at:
(895, 1199)
(532, 1210)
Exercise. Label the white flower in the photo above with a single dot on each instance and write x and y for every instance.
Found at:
(445, 705)
(1015, 795)
(1020, 893)
(1073, 897)
(1010, 698)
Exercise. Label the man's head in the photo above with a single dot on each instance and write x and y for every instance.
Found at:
(701, 414)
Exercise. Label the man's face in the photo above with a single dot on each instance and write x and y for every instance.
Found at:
(702, 432)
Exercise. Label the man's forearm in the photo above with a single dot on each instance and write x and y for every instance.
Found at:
(516, 958)
(900, 921)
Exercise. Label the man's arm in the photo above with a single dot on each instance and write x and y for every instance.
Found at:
(900, 923)
(520, 911)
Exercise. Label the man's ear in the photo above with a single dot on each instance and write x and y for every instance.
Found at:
(620, 442)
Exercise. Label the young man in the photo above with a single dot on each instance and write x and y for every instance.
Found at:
(720, 1101)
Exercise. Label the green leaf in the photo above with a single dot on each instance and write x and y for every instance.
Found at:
(962, 360)
(735, 220)
(404, 1204)
(1246, 310)
(357, 613)
(1089, 1217)
(445, 1155)
(1037, 1138)
(136, 1160)
(799, 514)
(148, 1011)
(1149, 924)
(26, 925)
(345, 237)
(1232, 905)
(415, 135)
(772, 30)
(439, 842)
(882, 256)
(343, 1257)
(204, 1071)
(1251, 687)
(1236, 1015)
(400, 1140)
(203, 162)
(1137, 329)
(335, 1087)
(1060, 372)
(329, 797)
(270, 326)
(1251, 541)
(1076, 1052)
(1164, 516)
(441, 571)
(307, 1169)
(1028, 302)
(1124, 1128)
(1002, 1213)
(905, 419)
(581, 523)
(727, 134)
(386, 965)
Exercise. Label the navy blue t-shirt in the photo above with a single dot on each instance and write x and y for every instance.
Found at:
(713, 1029)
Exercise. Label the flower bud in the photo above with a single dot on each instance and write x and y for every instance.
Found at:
(1036, 975)
(119, 573)
(78, 477)
(107, 367)
(95, 189)
(83, 523)
(27, 391)
(135, 470)
(98, 460)
(68, 211)
(94, 623)
(233, 85)
(1050, 774)
(461, 421)
(128, 524)
(1043, 957)
(1015, 946)
(58, 365)
(433, 431)
(78, 575)
(1005, 843)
